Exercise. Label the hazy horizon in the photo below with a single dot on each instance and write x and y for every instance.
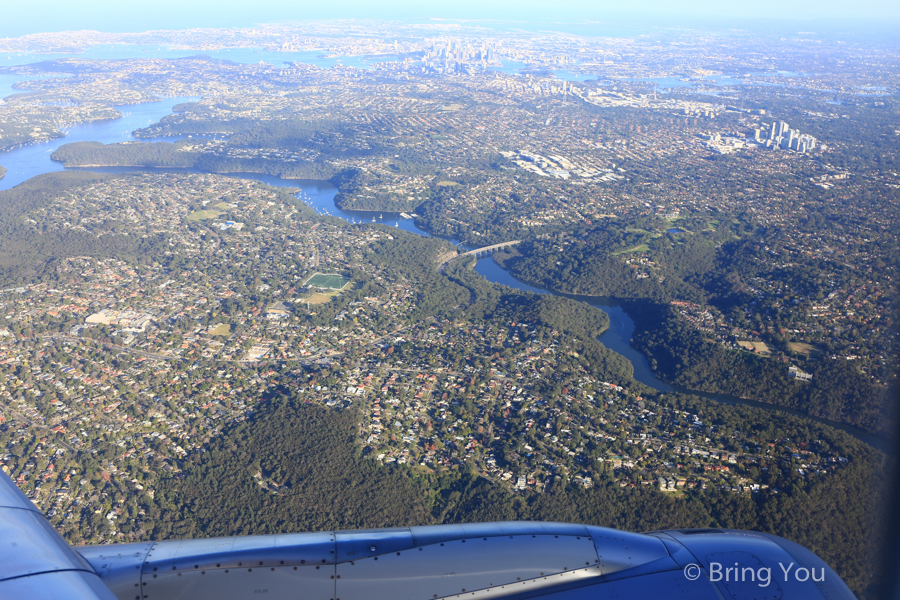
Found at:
(108, 16)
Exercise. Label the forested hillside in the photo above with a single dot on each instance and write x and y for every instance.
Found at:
(29, 245)
(838, 391)
(183, 154)
(27, 251)
(706, 292)
(326, 483)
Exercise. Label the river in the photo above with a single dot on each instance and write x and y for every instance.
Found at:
(618, 339)
(29, 161)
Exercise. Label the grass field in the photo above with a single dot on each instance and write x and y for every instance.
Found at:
(652, 234)
(202, 215)
(807, 349)
(641, 248)
(328, 281)
(221, 329)
(320, 298)
(760, 347)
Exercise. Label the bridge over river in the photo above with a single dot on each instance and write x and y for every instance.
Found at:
(484, 251)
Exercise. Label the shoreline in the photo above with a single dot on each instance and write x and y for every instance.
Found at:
(875, 440)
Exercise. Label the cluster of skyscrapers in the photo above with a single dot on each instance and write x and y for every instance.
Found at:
(781, 136)
(450, 57)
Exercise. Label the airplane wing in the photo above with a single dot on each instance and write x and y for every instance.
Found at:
(510, 560)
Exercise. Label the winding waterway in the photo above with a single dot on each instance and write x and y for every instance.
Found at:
(34, 159)
(618, 339)
(29, 161)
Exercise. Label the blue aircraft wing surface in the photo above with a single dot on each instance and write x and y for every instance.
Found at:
(473, 561)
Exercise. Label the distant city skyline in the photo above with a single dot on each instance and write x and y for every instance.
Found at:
(112, 16)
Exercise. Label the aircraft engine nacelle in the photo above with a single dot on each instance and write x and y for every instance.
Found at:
(474, 561)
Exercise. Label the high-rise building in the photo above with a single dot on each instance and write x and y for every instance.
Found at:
(780, 135)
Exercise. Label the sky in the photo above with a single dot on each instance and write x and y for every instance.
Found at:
(20, 17)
